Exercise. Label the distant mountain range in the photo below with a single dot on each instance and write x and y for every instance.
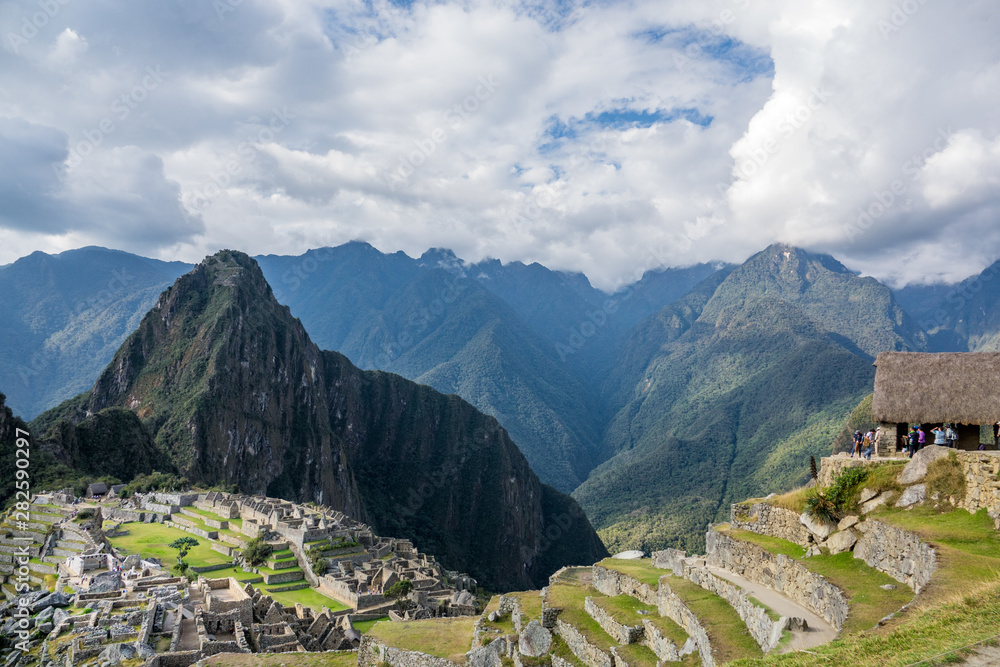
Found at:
(656, 405)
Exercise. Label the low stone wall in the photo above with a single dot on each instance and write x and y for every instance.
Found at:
(897, 552)
(200, 532)
(766, 632)
(779, 572)
(663, 647)
(671, 606)
(982, 482)
(281, 577)
(612, 583)
(589, 654)
(623, 634)
(765, 519)
(371, 653)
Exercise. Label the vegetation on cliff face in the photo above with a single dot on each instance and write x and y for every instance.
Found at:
(228, 386)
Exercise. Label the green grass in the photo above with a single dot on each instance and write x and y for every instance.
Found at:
(920, 636)
(625, 609)
(505, 625)
(641, 569)
(236, 573)
(267, 570)
(867, 602)
(151, 539)
(324, 659)
(727, 633)
(967, 545)
(309, 597)
(572, 574)
(203, 513)
(365, 626)
(531, 605)
(637, 655)
(571, 598)
(449, 638)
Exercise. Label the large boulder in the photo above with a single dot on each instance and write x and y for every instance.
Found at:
(913, 495)
(535, 641)
(117, 653)
(875, 503)
(821, 528)
(916, 469)
(841, 541)
(847, 522)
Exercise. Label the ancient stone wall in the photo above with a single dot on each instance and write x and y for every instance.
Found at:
(982, 482)
(372, 652)
(581, 648)
(623, 634)
(665, 649)
(897, 552)
(765, 519)
(670, 605)
(612, 583)
(779, 572)
(766, 632)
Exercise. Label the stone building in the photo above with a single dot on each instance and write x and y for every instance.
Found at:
(933, 389)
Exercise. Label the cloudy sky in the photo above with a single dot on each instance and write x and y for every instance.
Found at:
(604, 137)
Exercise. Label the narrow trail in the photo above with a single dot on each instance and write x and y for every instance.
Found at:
(819, 631)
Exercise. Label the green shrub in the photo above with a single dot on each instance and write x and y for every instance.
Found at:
(822, 507)
(257, 551)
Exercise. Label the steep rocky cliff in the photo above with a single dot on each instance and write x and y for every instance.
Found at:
(229, 386)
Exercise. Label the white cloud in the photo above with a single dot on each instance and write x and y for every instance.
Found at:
(595, 137)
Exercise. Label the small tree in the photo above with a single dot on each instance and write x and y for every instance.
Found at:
(257, 551)
(317, 562)
(398, 592)
(183, 546)
(812, 468)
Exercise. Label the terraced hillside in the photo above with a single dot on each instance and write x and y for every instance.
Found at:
(895, 576)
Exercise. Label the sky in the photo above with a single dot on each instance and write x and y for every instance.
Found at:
(603, 137)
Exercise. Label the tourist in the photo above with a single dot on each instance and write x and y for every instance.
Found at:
(858, 438)
(869, 444)
(878, 441)
(914, 439)
(940, 437)
(921, 438)
(952, 436)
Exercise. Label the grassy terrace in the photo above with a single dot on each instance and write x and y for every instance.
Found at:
(531, 605)
(626, 610)
(570, 598)
(641, 569)
(236, 573)
(309, 597)
(328, 659)
(867, 602)
(151, 539)
(365, 626)
(968, 548)
(924, 633)
(449, 638)
(505, 625)
(728, 634)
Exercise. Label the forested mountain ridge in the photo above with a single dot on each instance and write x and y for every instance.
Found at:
(725, 392)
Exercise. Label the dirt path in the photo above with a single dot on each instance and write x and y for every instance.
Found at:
(819, 630)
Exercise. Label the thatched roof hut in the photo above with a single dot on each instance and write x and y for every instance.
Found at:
(956, 387)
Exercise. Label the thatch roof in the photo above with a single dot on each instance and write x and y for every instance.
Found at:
(958, 387)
